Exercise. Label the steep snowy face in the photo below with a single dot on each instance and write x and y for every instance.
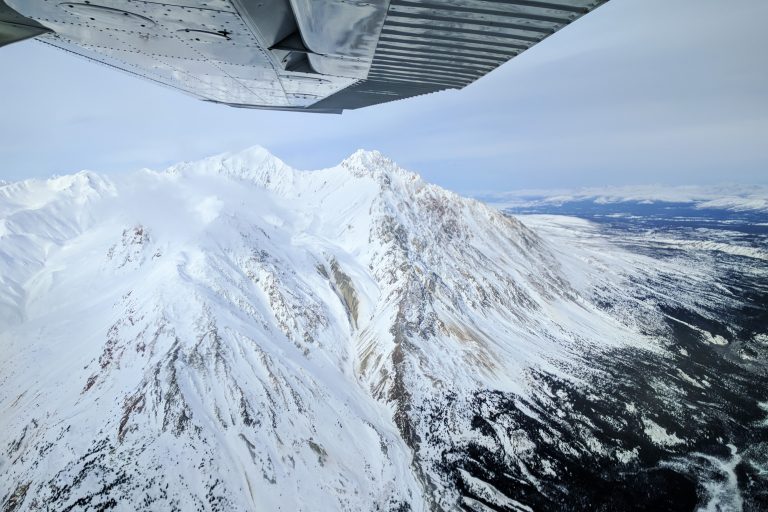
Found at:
(234, 334)
(174, 340)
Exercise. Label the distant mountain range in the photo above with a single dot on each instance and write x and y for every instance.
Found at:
(233, 334)
(722, 197)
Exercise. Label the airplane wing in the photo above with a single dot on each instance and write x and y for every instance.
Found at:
(303, 55)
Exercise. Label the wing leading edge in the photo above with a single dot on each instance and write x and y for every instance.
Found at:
(303, 55)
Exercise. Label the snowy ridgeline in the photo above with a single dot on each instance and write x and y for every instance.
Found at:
(233, 334)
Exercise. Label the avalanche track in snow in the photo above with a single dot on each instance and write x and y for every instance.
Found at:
(234, 334)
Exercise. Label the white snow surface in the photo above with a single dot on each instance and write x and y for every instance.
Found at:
(234, 334)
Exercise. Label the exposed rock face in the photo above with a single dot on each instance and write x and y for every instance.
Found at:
(233, 334)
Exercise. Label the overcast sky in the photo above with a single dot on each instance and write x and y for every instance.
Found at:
(637, 92)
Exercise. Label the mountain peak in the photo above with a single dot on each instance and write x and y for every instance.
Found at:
(234, 334)
(372, 163)
(255, 152)
(255, 164)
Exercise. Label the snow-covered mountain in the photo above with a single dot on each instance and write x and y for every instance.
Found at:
(234, 334)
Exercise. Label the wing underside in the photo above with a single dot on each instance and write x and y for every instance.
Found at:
(306, 55)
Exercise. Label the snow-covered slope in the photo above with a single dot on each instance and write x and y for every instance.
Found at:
(233, 334)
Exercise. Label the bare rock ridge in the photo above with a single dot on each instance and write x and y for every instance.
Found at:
(234, 334)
